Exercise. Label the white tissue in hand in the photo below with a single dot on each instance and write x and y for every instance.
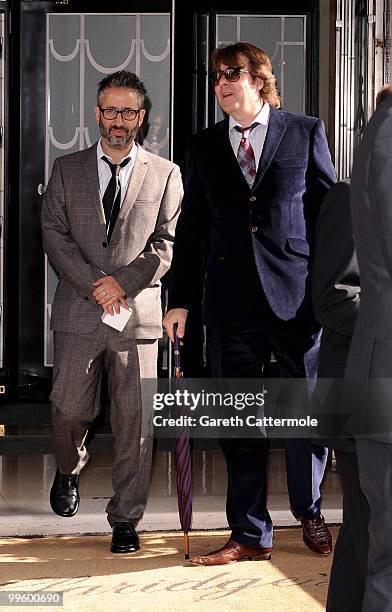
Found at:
(118, 321)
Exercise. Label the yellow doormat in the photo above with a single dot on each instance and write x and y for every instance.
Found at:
(158, 579)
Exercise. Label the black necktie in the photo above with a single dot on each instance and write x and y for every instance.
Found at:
(112, 197)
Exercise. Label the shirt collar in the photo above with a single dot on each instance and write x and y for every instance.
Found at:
(262, 117)
(132, 153)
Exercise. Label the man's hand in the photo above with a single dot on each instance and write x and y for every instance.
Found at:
(109, 294)
(175, 315)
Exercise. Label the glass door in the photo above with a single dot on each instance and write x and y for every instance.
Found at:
(288, 34)
(81, 49)
(283, 38)
(62, 51)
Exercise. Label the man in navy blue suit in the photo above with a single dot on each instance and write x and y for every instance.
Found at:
(253, 188)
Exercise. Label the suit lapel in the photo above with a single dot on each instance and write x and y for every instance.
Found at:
(90, 174)
(275, 131)
(226, 154)
(135, 182)
(137, 177)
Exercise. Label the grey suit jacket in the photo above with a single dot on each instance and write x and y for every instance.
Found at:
(140, 250)
(336, 296)
(370, 358)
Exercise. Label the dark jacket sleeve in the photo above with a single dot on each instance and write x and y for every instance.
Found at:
(320, 176)
(335, 278)
(188, 265)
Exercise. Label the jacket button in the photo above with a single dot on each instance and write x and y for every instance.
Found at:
(104, 244)
(86, 298)
(254, 228)
(252, 199)
(222, 258)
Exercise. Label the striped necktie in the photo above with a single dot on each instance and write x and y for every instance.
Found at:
(245, 154)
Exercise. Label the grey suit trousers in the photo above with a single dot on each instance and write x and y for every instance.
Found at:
(78, 365)
(375, 474)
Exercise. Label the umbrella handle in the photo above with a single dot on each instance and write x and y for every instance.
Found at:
(176, 340)
(176, 351)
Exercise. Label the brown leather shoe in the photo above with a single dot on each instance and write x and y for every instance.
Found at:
(316, 535)
(232, 552)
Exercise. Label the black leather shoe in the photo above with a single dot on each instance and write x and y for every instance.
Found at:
(64, 494)
(124, 538)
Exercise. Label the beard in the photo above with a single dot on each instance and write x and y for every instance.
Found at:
(118, 142)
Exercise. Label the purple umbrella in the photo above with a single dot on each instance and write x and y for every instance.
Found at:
(183, 459)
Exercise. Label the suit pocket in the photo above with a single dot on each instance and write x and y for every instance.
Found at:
(145, 203)
(298, 246)
(290, 162)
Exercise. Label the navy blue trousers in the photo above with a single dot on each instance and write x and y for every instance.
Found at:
(242, 351)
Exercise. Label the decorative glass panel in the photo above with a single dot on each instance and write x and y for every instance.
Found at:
(283, 38)
(81, 50)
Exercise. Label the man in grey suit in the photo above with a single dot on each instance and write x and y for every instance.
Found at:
(369, 363)
(108, 222)
(336, 298)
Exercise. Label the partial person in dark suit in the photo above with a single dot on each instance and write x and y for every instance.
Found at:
(369, 363)
(336, 297)
(108, 221)
(254, 185)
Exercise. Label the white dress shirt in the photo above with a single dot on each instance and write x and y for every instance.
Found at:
(105, 173)
(256, 136)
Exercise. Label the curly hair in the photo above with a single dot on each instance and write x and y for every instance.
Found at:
(259, 66)
(125, 79)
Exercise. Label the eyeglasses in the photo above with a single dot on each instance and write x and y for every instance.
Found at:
(128, 114)
(230, 74)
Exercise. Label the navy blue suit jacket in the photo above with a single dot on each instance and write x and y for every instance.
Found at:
(231, 241)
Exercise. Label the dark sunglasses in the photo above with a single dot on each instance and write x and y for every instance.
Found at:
(230, 74)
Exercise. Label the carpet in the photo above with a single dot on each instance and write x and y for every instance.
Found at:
(157, 578)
